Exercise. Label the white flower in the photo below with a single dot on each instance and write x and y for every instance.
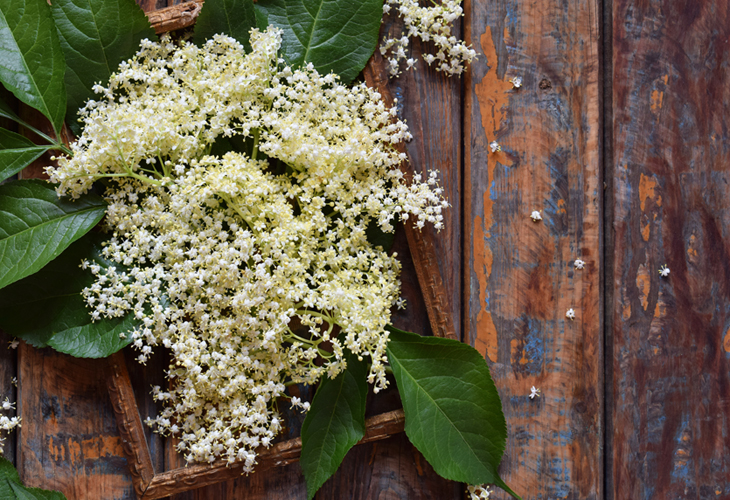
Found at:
(433, 25)
(570, 314)
(534, 392)
(13, 344)
(579, 264)
(478, 492)
(242, 272)
(495, 147)
(516, 82)
(664, 271)
(535, 216)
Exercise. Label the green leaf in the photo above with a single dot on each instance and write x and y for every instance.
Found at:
(23, 493)
(234, 18)
(453, 413)
(11, 488)
(16, 153)
(31, 61)
(334, 424)
(47, 309)
(96, 35)
(36, 226)
(334, 35)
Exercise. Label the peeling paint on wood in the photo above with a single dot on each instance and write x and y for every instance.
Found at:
(519, 280)
(670, 388)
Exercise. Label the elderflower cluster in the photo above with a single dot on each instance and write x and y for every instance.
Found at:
(239, 196)
(7, 424)
(430, 24)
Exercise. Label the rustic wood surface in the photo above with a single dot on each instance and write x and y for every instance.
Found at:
(665, 166)
(670, 389)
(519, 278)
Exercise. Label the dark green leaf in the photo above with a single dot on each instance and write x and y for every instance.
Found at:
(36, 226)
(452, 409)
(334, 35)
(96, 35)
(334, 424)
(31, 60)
(234, 18)
(47, 309)
(11, 488)
(23, 493)
(16, 153)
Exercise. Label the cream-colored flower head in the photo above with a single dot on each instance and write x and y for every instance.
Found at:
(431, 24)
(252, 266)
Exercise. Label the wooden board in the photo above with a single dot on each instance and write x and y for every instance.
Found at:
(670, 385)
(519, 278)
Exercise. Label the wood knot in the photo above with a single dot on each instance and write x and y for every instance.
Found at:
(545, 84)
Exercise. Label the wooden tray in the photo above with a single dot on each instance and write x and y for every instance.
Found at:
(151, 485)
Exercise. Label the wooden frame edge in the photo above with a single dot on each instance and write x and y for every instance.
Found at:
(149, 485)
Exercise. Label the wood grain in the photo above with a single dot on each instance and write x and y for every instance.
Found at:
(519, 278)
(671, 174)
(69, 441)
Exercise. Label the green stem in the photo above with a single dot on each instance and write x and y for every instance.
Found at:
(255, 150)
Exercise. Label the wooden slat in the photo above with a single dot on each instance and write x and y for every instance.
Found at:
(69, 441)
(671, 176)
(519, 276)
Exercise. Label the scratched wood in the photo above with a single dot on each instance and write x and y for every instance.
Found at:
(519, 278)
(69, 440)
(671, 172)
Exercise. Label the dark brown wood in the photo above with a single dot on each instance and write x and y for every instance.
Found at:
(129, 424)
(441, 315)
(175, 17)
(519, 278)
(69, 441)
(671, 174)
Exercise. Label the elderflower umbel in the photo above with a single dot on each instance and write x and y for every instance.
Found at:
(254, 273)
(430, 24)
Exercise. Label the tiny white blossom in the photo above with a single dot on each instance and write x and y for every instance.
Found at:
(570, 314)
(516, 82)
(536, 216)
(13, 344)
(495, 147)
(664, 271)
(579, 264)
(534, 392)
(478, 492)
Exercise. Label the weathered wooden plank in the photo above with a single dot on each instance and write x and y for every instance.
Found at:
(671, 173)
(519, 276)
(69, 441)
